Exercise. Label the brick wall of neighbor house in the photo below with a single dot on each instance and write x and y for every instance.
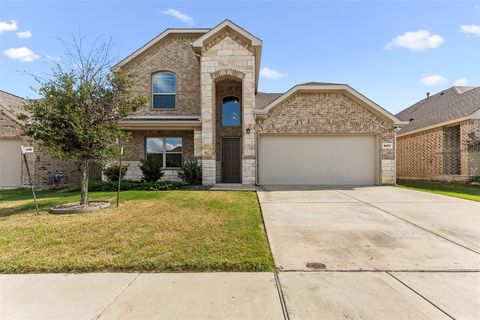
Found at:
(440, 153)
(135, 151)
(227, 55)
(174, 54)
(332, 113)
(420, 154)
(451, 150)
(41, 165)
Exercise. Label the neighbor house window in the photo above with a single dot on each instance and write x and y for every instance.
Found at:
(164, 89)
(166, 150)
(231, 112)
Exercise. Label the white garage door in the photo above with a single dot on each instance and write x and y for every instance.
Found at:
(317, 160)
(10, 163)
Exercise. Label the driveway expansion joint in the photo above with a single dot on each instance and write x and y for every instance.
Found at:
(420, 295)
(278, 284)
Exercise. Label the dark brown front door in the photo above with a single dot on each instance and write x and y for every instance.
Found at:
(231, 160)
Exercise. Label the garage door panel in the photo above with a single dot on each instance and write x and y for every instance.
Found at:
(317, 160)
(10, 163)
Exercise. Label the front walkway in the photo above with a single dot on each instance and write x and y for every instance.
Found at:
(374, 252)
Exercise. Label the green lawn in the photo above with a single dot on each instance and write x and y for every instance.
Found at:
(464, 191)
(150, 231)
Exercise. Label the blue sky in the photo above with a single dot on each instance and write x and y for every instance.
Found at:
(392, 52)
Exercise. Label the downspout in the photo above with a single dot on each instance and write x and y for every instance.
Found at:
(395, 155)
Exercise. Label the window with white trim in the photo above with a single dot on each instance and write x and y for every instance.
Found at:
(166, 150)
(164, 90)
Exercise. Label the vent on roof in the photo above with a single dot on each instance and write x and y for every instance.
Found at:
(428, 95)
(442, 93)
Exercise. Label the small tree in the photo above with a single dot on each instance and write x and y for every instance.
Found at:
(77, 117)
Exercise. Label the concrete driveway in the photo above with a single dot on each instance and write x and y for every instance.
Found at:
(374, 252)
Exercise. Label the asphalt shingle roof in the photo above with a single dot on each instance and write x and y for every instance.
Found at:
(450, 104)
(262, 99)
(11, 104)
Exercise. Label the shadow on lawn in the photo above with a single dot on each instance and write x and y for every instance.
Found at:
(44, 203)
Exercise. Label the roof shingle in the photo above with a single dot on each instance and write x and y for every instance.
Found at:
(450, 104)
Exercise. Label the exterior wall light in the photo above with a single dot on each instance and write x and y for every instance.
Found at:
(248, 130)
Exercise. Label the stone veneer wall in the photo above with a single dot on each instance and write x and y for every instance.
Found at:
(174, 54)
(307, 113)
(227, 55)
(426, 154)
(41, 165)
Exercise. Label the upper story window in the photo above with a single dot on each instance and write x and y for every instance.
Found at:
(164, 90)
(231, 112)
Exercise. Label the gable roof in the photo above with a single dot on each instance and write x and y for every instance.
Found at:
(447, 105)
(227, 23)
(325, 86)
(10, 104)
(161, 36)
(255, 42)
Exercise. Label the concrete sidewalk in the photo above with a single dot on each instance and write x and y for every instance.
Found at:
(140, 296)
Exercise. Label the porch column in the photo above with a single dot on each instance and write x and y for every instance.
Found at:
(208, 130)
(197, 144)
(248, 158)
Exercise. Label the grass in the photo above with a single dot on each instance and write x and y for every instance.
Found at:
(458, 190)
(150, 231)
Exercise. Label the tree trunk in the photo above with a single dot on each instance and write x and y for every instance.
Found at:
(84, 183)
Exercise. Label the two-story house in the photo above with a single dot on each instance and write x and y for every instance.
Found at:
(204, 104)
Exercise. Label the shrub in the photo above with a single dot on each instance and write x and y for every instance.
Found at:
(134, 185)
(151, 169)
(191, 172)
(112, 172)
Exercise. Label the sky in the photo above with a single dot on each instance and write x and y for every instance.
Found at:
(393, 52)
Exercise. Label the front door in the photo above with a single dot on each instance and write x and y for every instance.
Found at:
(231, 160)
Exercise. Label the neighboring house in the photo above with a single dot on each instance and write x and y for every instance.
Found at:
(204, 105)
(442, 139)
(13, 173)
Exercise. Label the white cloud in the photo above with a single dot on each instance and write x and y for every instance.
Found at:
(471, 28)
(433, 80)
(24, 34)
(185, 18)
(271, 73)
(463, 82)
(8, 26)
(22, 54)
(52, 58)
(416, 41)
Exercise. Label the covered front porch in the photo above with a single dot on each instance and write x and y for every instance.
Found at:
(169, 139)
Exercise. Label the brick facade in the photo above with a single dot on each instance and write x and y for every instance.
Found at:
(174, 54)
(332, 113)
(224, 63)
(442, 153)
